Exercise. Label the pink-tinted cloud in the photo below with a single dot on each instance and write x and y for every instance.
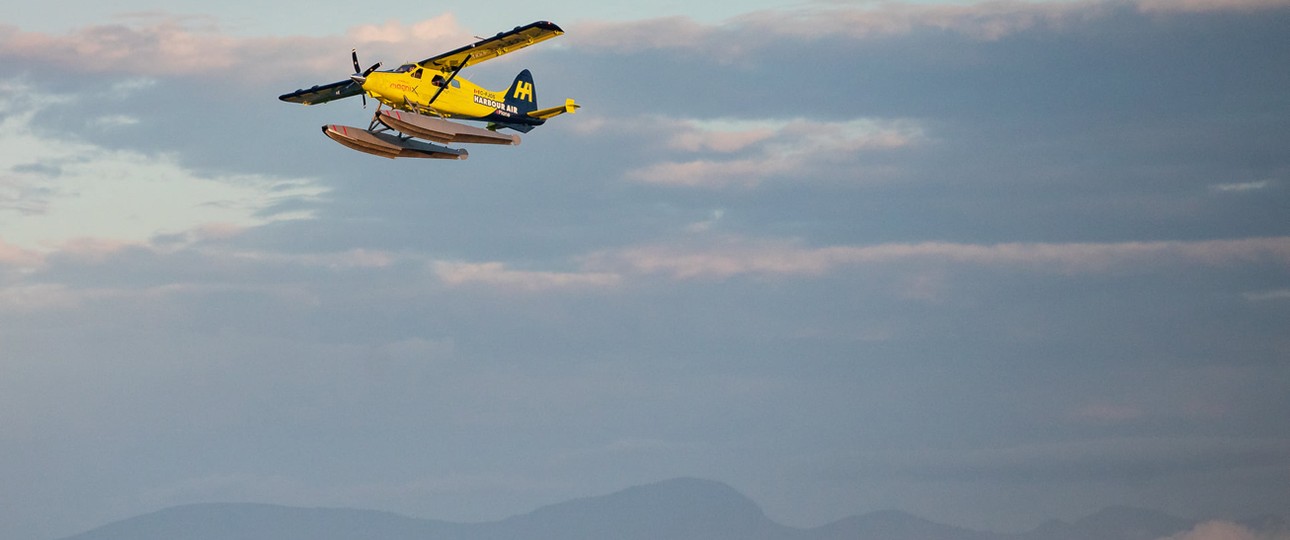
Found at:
(436, 29)
(719, 154)
(695, 140)
(92, 250)
(709, 173)
(344, 260)
(1226, 530)
(164, 45)
(16, 257)
(728, 257)
(496, 274)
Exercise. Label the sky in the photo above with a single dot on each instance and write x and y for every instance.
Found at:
(987, 263)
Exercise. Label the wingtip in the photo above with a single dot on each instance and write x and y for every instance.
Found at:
(548, 25)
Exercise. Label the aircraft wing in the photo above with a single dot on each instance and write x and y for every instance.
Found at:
(323, 93)
(487, 49)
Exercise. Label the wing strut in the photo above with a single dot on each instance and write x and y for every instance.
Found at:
(451, 76)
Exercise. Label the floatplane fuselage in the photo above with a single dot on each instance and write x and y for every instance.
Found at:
(418, 100)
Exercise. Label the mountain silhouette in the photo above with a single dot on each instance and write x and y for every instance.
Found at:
(679, 509)
(265, 522)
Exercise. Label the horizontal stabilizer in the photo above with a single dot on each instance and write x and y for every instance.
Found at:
(389, 146)
(546, 114)
(440, 130)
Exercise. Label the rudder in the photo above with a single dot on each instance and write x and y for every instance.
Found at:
(522, 94)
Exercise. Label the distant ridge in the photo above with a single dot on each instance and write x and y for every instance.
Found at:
(678, 509)
(263, 521)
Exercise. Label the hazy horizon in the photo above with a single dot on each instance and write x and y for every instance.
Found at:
(639, 512)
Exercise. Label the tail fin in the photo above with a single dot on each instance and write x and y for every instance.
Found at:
(522, 95)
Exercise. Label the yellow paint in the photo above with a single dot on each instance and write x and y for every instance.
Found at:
(460, 99)
(425, 88)
(524, 91)
(545, 114)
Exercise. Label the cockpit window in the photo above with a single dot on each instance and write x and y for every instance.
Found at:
(416, 74)
(405, 68)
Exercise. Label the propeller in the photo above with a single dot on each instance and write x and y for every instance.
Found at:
(361, 77)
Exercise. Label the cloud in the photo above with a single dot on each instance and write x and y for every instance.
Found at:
(719, 136)
(1200, 6)
(357, 258)
(747, 172)
(57, 188)
(745, 153)
(669, 32)
(17, 257)
(986, 21)
(496, 274)
(732, 41)
(39, 297)
(168, 45)
(1114, 459)
(114, 121)
(732, 256)
(1226, 530)
(435, 29)
(1268, 296)
(1240, 187)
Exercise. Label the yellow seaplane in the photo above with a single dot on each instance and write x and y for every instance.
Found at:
(423, 97)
